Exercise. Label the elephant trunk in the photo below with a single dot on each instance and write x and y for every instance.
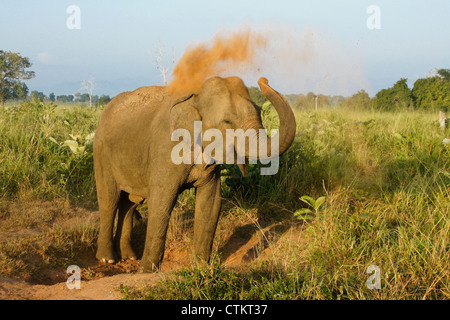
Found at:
(287, 129)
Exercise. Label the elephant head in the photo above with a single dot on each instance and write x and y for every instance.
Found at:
(225, 103)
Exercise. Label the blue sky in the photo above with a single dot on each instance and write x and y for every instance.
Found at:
(116, 42)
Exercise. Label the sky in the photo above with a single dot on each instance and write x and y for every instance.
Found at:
(349, 45)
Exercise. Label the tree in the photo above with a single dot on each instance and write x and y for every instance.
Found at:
(305, 102)
(395, 98)
(12, 72)
(81, 97)
(335, 101)
(160, 63)
(89, 86)
(358, 101)
(65, 98)
(103, 100)
(444, 73)
(37, 95)
(52, 97)
(291, 98)
(312, 101)
(433, 92)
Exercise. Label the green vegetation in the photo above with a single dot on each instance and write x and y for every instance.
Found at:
(370, 187)
(433, 93)
(12, 71)
(306, 213)
(75, 100)
(35, 161)
(387, 185)
(396, 98)
(358, 101)
(215, 282)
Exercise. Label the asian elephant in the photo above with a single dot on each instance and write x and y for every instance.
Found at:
(132, 161)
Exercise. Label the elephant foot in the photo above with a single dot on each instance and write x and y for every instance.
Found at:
(106, 255)
(128, 255)
(148, 268)
(126, 252)
(108, 261)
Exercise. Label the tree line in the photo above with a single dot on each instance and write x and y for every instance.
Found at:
(75, 98)
(430, 93)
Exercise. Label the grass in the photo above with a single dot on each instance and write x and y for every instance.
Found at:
(214, 282)
(385, 176)
(33, 257)
(33, 161)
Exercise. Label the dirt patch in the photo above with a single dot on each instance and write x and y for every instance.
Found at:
(30, 227)
(107, 288)
(30, 218)
(99, 281)
(242, 243)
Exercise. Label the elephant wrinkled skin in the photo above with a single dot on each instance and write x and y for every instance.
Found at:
(132, 161)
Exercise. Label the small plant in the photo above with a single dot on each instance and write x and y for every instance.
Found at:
(77, 144)
(75, 167)
(269, 116)
(307, 213)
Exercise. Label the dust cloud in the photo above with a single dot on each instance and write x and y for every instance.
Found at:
(228, 52)
(294, 62)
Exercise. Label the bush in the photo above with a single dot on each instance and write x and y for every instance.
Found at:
(35, 160)
(396, 98)
(432, 93)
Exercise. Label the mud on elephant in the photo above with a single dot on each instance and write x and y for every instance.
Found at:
(132, 161)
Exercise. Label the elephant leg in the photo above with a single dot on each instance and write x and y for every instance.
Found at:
(122, 238)
(160, 205)
(108, 200)
(207, 211)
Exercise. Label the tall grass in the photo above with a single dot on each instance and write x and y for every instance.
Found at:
(386, 178)
(34, 162)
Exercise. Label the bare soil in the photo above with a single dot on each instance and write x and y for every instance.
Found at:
(101, 281)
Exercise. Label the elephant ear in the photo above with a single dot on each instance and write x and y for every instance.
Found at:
(183, 113)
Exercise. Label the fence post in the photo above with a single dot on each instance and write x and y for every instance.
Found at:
(442, 120)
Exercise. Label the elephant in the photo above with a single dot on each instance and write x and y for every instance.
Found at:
(132, 161)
